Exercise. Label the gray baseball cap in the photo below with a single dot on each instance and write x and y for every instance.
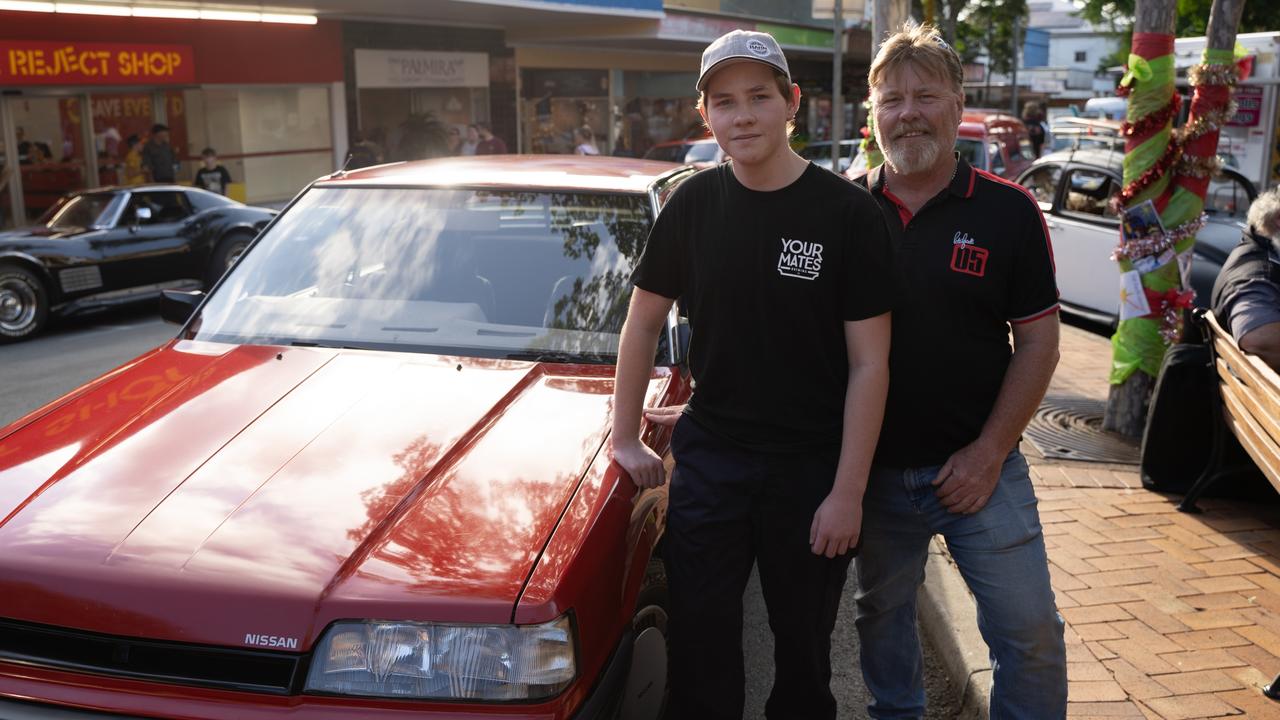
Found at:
(740, 45)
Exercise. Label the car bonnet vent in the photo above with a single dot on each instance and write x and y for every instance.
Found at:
(183, 663)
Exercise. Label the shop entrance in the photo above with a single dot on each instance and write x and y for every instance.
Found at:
(49, 147)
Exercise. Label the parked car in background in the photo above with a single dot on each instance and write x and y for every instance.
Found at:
(104, 247)
(1074, 189)
(988, 140)
(1075, 133)
(370, 477)
(995, 141)
(699, 152)
(819, 153)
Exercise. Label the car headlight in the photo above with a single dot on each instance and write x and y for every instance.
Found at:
(447, 662)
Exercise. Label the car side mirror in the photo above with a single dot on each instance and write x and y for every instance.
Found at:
(683, 333)
(141, 215)
(176, 306)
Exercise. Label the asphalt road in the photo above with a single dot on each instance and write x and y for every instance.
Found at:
(74, 351)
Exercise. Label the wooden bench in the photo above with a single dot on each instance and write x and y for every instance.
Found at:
(1249, 399)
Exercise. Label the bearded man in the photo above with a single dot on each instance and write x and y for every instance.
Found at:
(972, 265)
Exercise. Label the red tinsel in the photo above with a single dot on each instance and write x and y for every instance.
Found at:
(1150, 177)
(1151, 123)
(1167, 306)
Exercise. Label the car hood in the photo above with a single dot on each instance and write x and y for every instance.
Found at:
(207, 492)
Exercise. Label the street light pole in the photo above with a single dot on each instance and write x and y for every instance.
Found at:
(837, 86)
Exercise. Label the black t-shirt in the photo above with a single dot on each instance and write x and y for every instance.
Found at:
(215, 180)
(972, 260)
(768, 280)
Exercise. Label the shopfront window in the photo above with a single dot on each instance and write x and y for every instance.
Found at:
(50, 149)
(116, 118)
(656, 107)
(556, 102)
(417, 104)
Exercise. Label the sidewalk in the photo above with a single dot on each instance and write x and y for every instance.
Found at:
(1168, 615)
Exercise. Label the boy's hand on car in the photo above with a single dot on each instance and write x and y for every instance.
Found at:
(641, 463)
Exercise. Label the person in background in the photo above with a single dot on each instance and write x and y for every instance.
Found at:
(212, 177)
(472, 141)
(6, 172)
(489, 144)
(1246, 295)
(1033, 118)
(584, 141)
(453, 141)
(133, 173)
(158, 159)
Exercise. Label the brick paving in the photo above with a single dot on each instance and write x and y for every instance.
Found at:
(1168, 615)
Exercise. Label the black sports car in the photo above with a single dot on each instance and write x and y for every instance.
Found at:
(109, 246)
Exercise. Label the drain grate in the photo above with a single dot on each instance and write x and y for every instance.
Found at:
(1070, 428)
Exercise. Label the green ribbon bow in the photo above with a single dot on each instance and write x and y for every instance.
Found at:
(1139, 69)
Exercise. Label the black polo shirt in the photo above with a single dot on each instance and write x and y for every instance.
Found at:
(972, 260)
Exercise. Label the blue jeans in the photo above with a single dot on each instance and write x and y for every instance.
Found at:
(999, 551)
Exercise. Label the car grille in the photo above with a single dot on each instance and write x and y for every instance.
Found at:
(189, 664)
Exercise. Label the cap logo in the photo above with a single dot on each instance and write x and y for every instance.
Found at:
(758, 48)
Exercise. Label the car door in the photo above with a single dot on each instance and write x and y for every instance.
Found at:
(151, 242)
(1085, 231)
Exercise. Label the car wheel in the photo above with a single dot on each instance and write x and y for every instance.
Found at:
(645, 695)
(24, 303)
(226, 255)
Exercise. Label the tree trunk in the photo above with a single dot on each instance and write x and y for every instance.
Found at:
(1155, 16)
(1224, 23)
(1127, 401)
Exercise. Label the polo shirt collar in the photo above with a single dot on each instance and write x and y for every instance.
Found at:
(961, 185)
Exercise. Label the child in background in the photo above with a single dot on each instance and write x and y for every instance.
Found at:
(212, 177)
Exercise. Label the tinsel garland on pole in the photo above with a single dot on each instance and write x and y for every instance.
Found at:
(1150, 153)
(1172, 170)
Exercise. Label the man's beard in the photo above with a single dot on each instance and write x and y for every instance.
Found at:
(916, 155)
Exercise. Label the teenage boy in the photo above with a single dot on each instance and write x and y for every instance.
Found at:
(972, 264)
(783, 269)
(212, 177)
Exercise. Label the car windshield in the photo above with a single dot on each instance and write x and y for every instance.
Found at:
(483, 273)
(82, 211)
(973, 152)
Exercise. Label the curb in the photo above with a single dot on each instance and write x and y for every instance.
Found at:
(948, 617)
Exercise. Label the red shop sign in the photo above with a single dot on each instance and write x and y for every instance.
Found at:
(24, 62)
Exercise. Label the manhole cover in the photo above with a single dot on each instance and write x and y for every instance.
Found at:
(1070, 428)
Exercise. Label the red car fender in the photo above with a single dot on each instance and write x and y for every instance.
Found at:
(596, 559)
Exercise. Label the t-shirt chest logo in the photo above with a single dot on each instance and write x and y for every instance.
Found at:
(800, 259)
(967, 257)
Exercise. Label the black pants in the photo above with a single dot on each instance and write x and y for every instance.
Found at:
(729, 507)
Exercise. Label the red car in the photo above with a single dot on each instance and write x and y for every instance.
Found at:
(369, 478)
(700, 152)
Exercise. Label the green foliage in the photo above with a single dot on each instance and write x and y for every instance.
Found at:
(990, 24)
(1193, 16)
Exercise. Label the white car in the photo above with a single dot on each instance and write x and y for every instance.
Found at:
(1074, 190)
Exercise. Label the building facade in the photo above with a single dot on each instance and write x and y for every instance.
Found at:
(75, 88)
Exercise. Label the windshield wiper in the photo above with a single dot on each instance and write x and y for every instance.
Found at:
(554, 356)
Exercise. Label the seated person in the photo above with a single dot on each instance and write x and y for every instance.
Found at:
(1246, 295)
